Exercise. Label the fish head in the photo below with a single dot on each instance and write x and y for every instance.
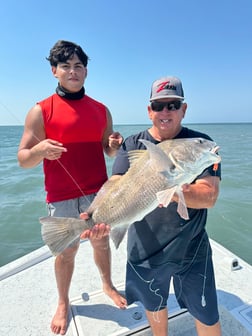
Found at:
(193, 155)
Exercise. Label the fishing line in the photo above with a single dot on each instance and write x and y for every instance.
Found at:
(73, 179)
(203, 299)
(154, 291)
(9, 111)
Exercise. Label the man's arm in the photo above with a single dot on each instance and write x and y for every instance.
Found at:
(33, 147)
(202, 194)
(111, 140)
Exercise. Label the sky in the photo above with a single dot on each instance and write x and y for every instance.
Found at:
(130, 43)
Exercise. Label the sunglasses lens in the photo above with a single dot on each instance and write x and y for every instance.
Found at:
(171, 106)
(175, 105)
(157, 107)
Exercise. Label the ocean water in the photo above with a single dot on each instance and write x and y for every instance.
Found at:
(229, 223)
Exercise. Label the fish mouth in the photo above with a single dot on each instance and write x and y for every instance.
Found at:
(215, 149)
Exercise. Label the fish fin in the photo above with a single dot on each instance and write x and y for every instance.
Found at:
(182, 208)
(159, 159)
(164, 196)
(117, 234)
(135, 155)
(59, 232)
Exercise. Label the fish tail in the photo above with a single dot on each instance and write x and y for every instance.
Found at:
(59, 232)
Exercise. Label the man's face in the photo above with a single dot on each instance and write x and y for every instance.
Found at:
(167, 114)
(71, 74)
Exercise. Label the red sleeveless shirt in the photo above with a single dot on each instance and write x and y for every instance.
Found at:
(79, 125)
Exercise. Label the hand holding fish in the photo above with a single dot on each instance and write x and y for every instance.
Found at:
(97, 232)
(185, 188)
(201, 194)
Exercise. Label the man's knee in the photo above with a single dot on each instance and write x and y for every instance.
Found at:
(69, 253)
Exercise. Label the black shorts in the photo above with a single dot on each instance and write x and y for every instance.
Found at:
(194, 288)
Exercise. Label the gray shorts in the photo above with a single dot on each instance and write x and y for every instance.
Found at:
(70, 208)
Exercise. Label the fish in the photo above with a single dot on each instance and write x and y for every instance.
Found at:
(154, 175)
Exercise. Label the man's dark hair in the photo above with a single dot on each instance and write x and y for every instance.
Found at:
(65, 50)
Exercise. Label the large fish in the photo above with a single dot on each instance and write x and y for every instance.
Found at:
(154, 176)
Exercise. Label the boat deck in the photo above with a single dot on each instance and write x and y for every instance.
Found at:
(28, 297)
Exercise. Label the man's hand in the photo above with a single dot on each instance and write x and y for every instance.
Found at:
(115, 140)
(97, 232)
(49, 149)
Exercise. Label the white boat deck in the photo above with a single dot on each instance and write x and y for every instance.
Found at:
(28, 298)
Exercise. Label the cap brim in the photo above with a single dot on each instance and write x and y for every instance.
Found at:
(164, 97)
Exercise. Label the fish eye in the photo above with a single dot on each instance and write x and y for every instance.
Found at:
(173, 167)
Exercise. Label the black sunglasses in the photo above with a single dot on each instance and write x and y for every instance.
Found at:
(171, 106)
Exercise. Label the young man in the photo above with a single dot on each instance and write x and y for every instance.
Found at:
(69, 132)
(163, 245)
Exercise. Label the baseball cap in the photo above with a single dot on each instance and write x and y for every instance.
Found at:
(167, 87)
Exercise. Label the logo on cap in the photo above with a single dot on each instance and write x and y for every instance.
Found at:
(165, 85)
